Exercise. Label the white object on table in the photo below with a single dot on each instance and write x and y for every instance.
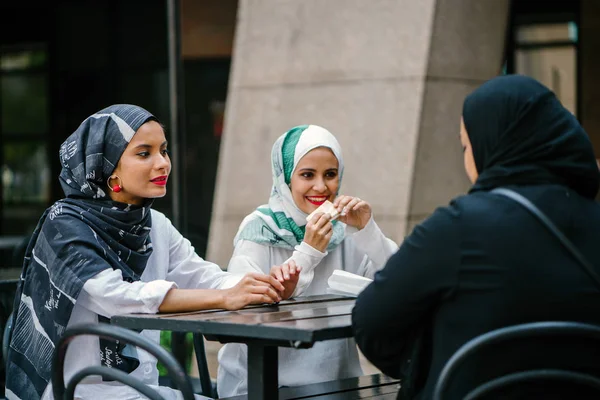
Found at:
(346, 283)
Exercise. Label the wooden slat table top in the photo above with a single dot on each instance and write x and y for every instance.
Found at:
(376, 386)
(301, 320)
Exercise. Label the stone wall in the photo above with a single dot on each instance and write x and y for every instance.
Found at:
(387, 77)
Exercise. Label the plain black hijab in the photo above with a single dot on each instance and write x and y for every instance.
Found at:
(522, 135)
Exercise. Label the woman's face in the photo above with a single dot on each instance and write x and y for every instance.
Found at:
(470, 166)
(144, 166)
(315, 179)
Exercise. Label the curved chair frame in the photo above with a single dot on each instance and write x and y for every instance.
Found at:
(549, 328)
(6, 336)
(113, 374)
(107, 331)
(533, 375)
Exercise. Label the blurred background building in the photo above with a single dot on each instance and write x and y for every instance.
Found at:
(227, 77)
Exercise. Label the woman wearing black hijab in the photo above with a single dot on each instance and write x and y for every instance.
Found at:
(484, 262)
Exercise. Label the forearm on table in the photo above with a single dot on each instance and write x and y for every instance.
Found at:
(180, 300)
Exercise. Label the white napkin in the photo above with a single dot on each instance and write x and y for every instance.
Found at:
(346, 283)
(325, 208)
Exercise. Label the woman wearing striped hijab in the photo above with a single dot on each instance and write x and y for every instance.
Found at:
(307, 167)
(102, 251)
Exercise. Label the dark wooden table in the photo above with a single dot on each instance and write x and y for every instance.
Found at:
(297, 323)
(375, 387)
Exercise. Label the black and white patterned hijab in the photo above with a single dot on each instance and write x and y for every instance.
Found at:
(91, 153)
(75, 239)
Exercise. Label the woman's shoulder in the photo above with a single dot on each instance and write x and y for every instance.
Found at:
(460, 210)
(159, 219)
(63, 212)
(477, 204)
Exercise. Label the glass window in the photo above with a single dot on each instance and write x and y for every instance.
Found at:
(543, 33)
(149, 89)
(555, 67)
(548, 53)
(18, 60)
(24, 104)
(24, 111)
(25, 173)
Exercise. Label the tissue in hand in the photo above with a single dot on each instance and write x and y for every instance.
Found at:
(325, 208)
(346, 283)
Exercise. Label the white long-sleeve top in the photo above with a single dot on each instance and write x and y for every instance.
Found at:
(362, 252)
(173, 263)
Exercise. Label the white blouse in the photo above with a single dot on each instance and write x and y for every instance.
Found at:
(362, 252)
(173, 263)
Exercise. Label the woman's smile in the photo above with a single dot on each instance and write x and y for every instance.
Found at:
(316, 200)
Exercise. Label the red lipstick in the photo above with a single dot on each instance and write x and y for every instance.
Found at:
(316, 200)
(160, 180)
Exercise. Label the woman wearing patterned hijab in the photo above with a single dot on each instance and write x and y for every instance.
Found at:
(103, 251)
(307, 167)
(484, 261)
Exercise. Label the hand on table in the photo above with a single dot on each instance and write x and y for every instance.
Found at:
(254, 288)
(287, 275)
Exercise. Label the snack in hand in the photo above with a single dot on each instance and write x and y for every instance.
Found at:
(325, 208)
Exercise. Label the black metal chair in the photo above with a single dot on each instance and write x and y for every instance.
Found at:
(123, 335)
(7, 297)
(6, 331)
(540, 357)
(209, 388)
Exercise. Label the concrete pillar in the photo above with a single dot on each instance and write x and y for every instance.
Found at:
(466, 49)
(387, 77)
(589, 37)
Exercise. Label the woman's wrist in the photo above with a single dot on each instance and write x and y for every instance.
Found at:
(313, 246)
(222, 298)
(367, 228)
(312, 250)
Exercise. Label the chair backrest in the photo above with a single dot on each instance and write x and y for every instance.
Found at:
(7, 297)
(6, 332)
(123, 335)
(560, 352)
(575, 380)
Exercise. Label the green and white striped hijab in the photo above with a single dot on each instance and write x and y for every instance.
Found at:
(281, 223)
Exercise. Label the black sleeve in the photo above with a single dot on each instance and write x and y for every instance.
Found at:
(404, 294)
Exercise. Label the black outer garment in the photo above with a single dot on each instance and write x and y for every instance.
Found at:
(479, 264)
(484, 262)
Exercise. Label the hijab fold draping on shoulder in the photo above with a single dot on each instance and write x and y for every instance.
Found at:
(280, 223)
(75, 239)
(521, 135)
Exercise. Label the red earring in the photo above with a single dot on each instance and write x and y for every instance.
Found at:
(115, 188)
